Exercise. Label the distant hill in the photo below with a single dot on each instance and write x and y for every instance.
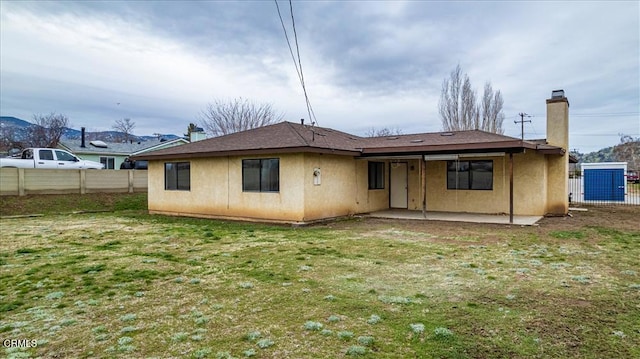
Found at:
(603, 155)
(21, 127)
(14, 122)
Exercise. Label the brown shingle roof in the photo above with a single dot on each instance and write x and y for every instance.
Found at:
(291, 137)
(277, 138)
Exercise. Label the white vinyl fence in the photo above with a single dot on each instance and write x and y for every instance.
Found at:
(25, 181)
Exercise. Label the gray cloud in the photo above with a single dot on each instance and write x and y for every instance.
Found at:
(366, 63)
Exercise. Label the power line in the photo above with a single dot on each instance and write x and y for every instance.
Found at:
(603, 114)
(521, 122)
(298, 64)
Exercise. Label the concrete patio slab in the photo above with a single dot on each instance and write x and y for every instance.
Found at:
(455, 217)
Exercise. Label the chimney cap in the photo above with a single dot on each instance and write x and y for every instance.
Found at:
(557, 94)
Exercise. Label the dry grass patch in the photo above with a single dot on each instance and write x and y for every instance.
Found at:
(132, 285)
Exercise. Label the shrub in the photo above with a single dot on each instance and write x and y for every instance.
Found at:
(442, 333)
(356, 350)
(264, 343)
(311, 325)
(365, 340)
(394, 299)
(128, 317)
(55, 295)
(374, 319)
(417, 328)
(253, 335)
(179, 337)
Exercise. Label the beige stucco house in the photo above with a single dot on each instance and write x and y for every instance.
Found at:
(291, 172)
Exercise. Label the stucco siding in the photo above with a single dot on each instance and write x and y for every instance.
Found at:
(333, 193)
(370, 200)
(558, 185)
(529, 184)
(439, 198)
(530, 188)
(414, 188)
(216, 190)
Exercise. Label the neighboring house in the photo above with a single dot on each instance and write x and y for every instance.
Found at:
(113, 154)
(291, 172)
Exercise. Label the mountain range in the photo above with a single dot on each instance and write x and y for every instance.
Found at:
(21, 127)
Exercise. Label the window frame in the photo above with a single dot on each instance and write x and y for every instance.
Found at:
(48, 153)
(376, 169)
(173, 169)
(65, 156)
(472, 169)
(106, 162)
(266, 181)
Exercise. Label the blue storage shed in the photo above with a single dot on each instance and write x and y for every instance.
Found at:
(604, 181)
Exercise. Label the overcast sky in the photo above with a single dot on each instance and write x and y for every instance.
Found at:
(377, 63)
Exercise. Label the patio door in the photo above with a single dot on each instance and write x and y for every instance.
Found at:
(398, 197)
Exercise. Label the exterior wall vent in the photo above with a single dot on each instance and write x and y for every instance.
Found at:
(416, 141)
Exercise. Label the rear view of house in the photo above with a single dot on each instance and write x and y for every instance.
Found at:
(291, 172)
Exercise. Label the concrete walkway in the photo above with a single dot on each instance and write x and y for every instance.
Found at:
(455, 217)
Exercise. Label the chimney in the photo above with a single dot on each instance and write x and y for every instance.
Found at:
(558, 120)
(302, 121)
(82, 130)
(558, 166)
(197, 134)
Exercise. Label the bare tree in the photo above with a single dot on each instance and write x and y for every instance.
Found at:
(459, 108)
(628, 150)
(9, 137)
(125, 126)
(383, 132)
(492, 117)
(225, 117)
(47, 130)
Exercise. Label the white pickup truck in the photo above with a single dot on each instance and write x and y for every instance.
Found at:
(49, 158)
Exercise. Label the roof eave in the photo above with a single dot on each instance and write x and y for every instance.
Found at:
(506, 146)
(260, 151)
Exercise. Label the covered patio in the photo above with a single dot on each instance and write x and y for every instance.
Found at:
(455, 217)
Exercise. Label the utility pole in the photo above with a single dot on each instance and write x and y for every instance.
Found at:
(521, 122)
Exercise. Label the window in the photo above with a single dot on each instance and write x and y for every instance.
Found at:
(108, 162)
(46, 155)
(261, 175)
(376, 175)
(65, 156)
(177, 176)
(473, 175)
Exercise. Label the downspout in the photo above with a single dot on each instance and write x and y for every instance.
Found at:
(510, 188)
(423, 185)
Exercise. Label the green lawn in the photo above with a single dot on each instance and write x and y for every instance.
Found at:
(126, 284)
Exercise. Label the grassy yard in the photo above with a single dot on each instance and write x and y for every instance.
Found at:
(126, 284)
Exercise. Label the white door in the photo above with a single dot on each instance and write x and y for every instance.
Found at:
(46, 159)
(398, 186)
(66, 160)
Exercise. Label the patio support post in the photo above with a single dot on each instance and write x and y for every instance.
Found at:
(511, 188)
(423, 185)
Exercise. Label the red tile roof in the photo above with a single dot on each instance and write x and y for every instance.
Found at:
(291, 137)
